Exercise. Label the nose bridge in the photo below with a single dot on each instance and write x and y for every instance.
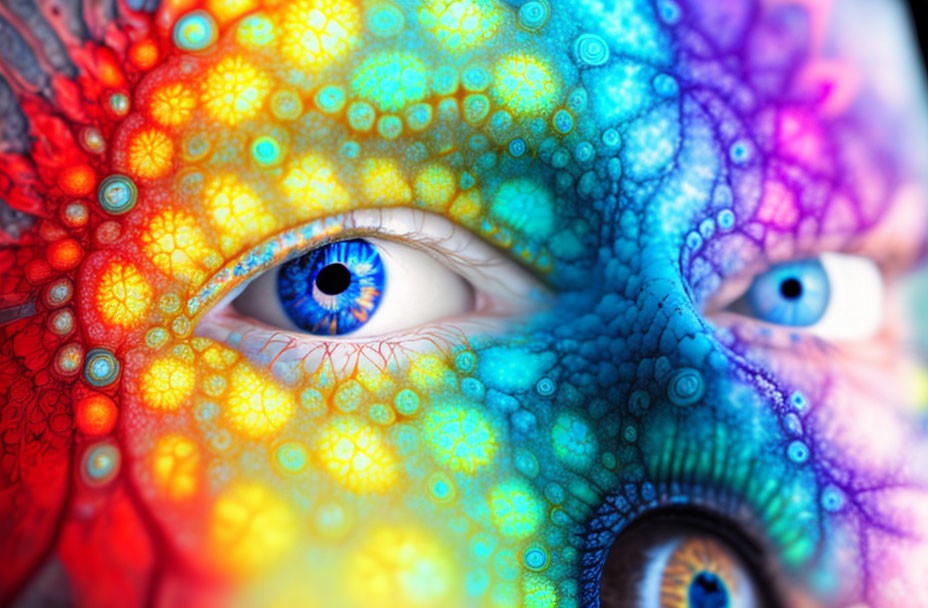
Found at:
(644, 300)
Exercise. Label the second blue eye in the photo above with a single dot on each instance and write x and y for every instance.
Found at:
(332, 290)
(794, 294)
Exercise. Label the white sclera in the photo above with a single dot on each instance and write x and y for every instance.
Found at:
(856, 302)
(444, 273)
(418, 289)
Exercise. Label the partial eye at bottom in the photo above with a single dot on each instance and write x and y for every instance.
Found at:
(357, 287)
(667, 565)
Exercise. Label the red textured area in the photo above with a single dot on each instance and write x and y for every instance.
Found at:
(45, 509)
(36, 435)
(106, 551)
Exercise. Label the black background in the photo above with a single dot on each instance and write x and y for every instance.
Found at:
(921, 26)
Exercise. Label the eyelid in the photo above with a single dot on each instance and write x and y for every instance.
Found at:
(735, 286)
(437, 235)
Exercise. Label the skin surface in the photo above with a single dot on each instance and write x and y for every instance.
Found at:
(599, 415)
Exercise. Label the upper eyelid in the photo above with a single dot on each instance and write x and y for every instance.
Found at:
(292, 243)
(739, 282)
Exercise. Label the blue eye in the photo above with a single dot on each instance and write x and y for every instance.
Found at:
(440, 276)
(794, 294)
(332, 290)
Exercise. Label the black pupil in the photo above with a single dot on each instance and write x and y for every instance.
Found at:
(791, 289)
(706, 591)
(333, 279)
(709, 584)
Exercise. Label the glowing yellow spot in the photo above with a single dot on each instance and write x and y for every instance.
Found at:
(251, 528)
(460, 24)
(515, 509)
(460, 437)
(435, 186)
(167, 383)
(318, 32)
(383, 183)
(392, 80)
(237, 213)
(312, 187)
(174, 243)
(539, 592)
(234, 90)
(227, 10)
(355, 455)
(466, 208)
(122, 295)
(400, 567)
(255, 31)
(150, 154)
(175, 465)
(172, 104)
(256, 406)
(219, 357)
(377, 382)
(525, 84)
(428, 372)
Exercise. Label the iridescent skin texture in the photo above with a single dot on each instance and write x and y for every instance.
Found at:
(643, 161)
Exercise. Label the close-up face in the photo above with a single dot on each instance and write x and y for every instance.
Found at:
(463, 303)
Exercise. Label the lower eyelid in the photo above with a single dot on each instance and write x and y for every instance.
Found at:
(291, 356)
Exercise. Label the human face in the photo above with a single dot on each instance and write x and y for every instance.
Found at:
(469, 303)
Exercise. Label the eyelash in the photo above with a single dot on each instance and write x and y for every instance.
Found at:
(274, 252)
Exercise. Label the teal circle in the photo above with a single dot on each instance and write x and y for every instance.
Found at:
(740, 152)
(535, 559)
(591, 50)
(119, 103)
(685, 387)
(195, 31)
(266, 150)
(380, 413)
(526, 463)
(545, 387)
(407, 402)
(117, 194)
(100, 367)
(100, 464)
(292, 457)
(390, 127)
(630, 434)
(440, 487)
(465, 361)
(612, 138)
(832, 499)
(534, 15)
(726, 219)
(563, 122)
(385, 20)
(669, 11)
(584, 152)
(798, 452)
(330, 99)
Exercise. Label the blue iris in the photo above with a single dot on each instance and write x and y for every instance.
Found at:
(332, 290)
(794, 293)
(707, 590)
